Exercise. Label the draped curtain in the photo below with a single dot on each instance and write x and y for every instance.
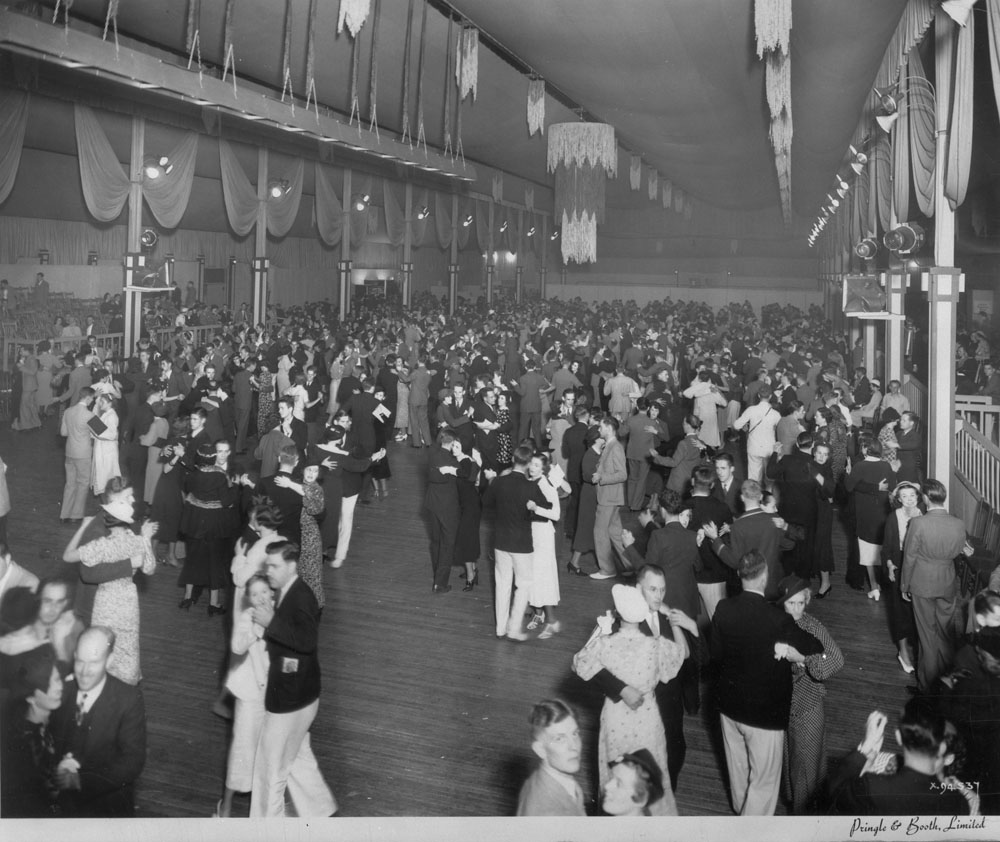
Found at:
(482, 223)
(922, 152)
(883, 180)
(901, 160)
(395, 214)
(106, 183)
(329, 210)
(13, 121)
(956, 176)
(418, 227)
(442, 220)
(241, 196)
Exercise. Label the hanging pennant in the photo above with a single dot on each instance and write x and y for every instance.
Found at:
(404, 135)
(536, 106)
(467, 68)
(373, 74)
(353, 14)
(498, 188)
(421, 136)
(311, 59)
(229, 62)
(652, 184)
(773, 24)
(286, 57)
(193, 42)
(111, 19)
(635, 172)
(665, 197)
(667, 188)
(529, 198)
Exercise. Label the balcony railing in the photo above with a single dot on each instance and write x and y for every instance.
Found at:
(977, 463)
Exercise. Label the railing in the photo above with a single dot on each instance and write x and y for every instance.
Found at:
(980, 412)
(916, 393)
(977, 461)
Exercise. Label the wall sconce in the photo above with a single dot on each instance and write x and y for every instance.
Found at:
(361, 201)
(156, 166)
(906, 238)
(423, 213)
(148, 239)
(467, 221)
(555, 235)
(504, 226)
(277, 187)
(531, 231)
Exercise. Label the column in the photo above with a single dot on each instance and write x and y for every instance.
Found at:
(491, 272)
(868, 337)
(452, 287)
(133, 266)
(260, 267)
(344, 266)
(518, 280)
(543, 259)
(943, 286)
(407, 269)
(895, 284)
(541, 281)
(344, 284)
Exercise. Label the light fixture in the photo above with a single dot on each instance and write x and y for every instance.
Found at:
(154, 166)
(858, 160)
(833, 203)
(148, 238)
(361, 201)
(277, 187)
(504, 226)
(555, 235)
(890, 102)
(867, 248)
(423, 213)
(906, 238)
(531, 231)
(467, 221)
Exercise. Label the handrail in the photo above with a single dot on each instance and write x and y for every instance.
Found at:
(980, 412)
(916, 394)
(977, 459)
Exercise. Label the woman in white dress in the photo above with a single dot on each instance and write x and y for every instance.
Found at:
(105, 444)
(544, 590)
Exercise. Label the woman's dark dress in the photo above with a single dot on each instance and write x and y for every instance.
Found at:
(467, 541)
(583, 538)
(207, 527)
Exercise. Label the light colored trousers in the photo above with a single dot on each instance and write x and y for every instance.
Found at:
(712, 593)
(77, 489)
(513, 573)
(608, 537)
(285, 761)
(346, 527)
(753, 756)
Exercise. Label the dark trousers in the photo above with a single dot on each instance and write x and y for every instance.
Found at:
(572, 508)
(532, 421)
(444, 533)
(670, 697)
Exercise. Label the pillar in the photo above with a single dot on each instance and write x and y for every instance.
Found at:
(943, 286)
(344, 266)
(201, 277)
(491, 274)
(407, 245)
(543, 260)
(407, 270)
(895, 284)
(452, 287)
(868, 341)
(344, 285)
(518, 281)
(134, 263)
(260, 268)
(541, 281)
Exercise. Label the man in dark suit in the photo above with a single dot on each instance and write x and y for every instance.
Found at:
(915, 789)
(727, 486)
(487, 428)
(705, 508)
(755, 644)
(754, 530)
(291, 700)
(796, 475)
(242, 402)
(100, 734)
(651, 582)
(458, 417)
(574, 447)
(442, 504)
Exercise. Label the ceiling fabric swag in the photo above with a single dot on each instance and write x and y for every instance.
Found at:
(883, 181)
(418, 227)
(959, 159)
(442, 220)
(13, 121)
(329, 209)
(282, 210)
(901, 159)
(361, 219)
(536, 106)
(922, 140)
(237, 191)
(168, 195)
(353, 14)
(395, 217)
(105, 183)
(484, 238)
(467, 68)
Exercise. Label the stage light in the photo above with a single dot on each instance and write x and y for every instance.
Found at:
(148, 238)
(866, 249)
(904, 239)
(154, 166)
(423, 213)
(277, 187)
(531, 231)
(467, 221)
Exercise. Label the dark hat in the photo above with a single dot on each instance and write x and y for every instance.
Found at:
(444, 393)
(789, 586)
(644, 760)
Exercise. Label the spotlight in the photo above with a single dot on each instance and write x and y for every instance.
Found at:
(890, 102)
(423, 213)
(277, 187)
(148, 238)
(154, 166)
(555, 235)
(531, 231)
(834, 203)
(361, 201)
(467, 221)
(904, 239)
(858, 160)
(867, 248)
(504, 226)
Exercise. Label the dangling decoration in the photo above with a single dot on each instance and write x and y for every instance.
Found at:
(652, 184)
(582, 155)
(667, 189)
(420, 81)
(773, 24)
(193, 42)
(536, 106)
(286, 58)
(311, 60)
(467, 71)
(55, 14)
(353, 14)
(111, 19)
(355, 100)
(635, 172)
(498, 188)
(404, 135)
(447, 91)
(229, 62)
(678, 200)
(373, 74)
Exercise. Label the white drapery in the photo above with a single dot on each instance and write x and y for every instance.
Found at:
(13, 121)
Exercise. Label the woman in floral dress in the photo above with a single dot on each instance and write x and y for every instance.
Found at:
(505, 452)
(108, 539)
(310, 567)
(642, 661)
(267, 415)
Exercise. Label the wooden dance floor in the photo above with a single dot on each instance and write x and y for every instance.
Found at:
(423, 711)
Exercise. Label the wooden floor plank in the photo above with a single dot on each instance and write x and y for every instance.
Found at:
(423, 712)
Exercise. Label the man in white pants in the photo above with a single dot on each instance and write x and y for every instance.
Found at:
(284, 756)
(759, 421)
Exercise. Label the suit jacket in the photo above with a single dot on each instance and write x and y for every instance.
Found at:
(796, 478)
(79, 441)
(731, 497)
(293, 677)
(543, 795)
(441, 496)
(909, 451)
(612, 470)
(906, 793)
(675, 550)
(360, 408)
(754, 688)
(573, 448)
(110, 746)
(755, 530)
(933, 542)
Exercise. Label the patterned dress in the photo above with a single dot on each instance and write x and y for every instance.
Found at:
(505, 452)
(116, 603)
(311, 556)
(267, 415)
(642, 662)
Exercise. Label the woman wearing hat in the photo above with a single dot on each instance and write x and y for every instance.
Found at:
(906, 500)
(869, 482)
(586, 513)
(805, 752)
(642, 661)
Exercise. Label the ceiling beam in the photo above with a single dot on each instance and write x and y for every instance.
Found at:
(89, 54)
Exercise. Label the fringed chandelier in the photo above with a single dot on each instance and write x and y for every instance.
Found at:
(773, 25)
(467, 68)
(536, 106)
(353, 14)
(582, 156)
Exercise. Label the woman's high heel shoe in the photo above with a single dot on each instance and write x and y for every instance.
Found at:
(472, 582)
(572, 568)
(216, 609)
(185, 604)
